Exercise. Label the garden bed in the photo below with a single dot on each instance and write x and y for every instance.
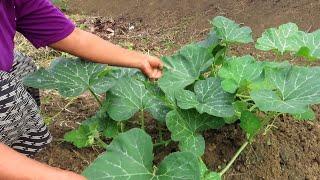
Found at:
(290, 151)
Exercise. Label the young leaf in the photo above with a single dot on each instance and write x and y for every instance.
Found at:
(238, 71)
(183, 68)
(104, 123)
(71, 77)
(185, 126)
(309, 115)
(309, 44)
(250, 123)
(282, 39)
(296, 89)
(129, 156)
(128, 97)
(82, 137)
(209, 97)
(231, 32)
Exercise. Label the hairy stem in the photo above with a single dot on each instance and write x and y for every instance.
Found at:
(252, 108)
(243, 96)
(65, 107)
(142, 119)
(101, 143)
(122, 127)
(165, 143)
(95, 96)
(224, 170)
(160, 134)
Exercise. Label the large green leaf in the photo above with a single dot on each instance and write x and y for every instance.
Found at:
(295, 89)
(183, 68)
(129, 96)
(309, 44)
(282, 39)
(240, 71)
(71, 77)
(185, 127)
(129, 156)
(231, 32)
(208, 97)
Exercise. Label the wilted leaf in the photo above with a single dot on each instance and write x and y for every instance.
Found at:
(130, 156)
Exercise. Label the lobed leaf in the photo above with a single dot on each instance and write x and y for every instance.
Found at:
(71, 77)
(296, 88)
(129, 156)
(283, 39)
(240, 71)
(231, 32)
(129, 96)
(208, 97)
(184, 68)
(185, 127)
(309, 44)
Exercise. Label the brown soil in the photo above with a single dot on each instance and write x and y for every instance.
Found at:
(290, 151)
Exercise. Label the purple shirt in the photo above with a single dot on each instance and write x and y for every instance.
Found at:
(38, 20)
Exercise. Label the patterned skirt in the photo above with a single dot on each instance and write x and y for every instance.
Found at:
(21, 126)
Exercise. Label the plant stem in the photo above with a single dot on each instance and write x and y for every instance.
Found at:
(244, 145)
(243, 96)
(142, 119)
(101, 143)
(162, 143)
(252, 108)
(122, 127)
(65, 107)
(95, 96)
(160, 134)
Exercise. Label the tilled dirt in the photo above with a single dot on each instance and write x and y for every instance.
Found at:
(290, 151)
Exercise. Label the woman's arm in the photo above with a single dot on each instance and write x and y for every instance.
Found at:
(14, 165)
(91, 47)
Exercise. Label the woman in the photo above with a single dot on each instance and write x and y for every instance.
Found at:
(22, 131)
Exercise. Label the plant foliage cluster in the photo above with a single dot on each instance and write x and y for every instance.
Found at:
(203, 87)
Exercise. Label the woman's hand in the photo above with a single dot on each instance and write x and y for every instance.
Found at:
(151, 66)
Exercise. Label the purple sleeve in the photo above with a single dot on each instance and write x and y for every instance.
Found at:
(41, 22)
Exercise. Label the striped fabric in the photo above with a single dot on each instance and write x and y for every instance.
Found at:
(21, 125)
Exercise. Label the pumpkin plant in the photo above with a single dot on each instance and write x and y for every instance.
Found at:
(203, 87)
